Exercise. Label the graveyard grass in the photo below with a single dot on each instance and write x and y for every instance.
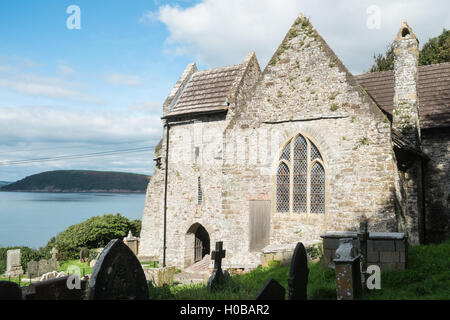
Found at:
(64, 266)
(427, 277)
(247, 286)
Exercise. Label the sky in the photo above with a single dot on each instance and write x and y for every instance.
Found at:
(68, 91)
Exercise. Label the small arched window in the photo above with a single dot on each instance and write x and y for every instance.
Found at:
(300, 178)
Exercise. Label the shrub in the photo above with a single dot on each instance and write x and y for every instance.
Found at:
(94, 232)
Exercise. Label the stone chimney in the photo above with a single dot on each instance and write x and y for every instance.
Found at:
(406, 100)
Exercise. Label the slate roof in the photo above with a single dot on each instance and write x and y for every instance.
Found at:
(207, 91)
(434, 93)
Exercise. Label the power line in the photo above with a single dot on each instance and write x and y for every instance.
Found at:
(60, 147)
(76, 156)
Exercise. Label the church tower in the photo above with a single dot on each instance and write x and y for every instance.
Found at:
(406, 100)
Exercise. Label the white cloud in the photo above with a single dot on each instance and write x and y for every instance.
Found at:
(123, 80)
(66, 70)
(51, 124)
(45, 87)
(41, 132)
(219, 32)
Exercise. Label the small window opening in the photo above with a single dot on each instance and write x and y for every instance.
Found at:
(199, 191)
(405, 32)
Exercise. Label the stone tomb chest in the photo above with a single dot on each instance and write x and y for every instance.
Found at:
(388, 250)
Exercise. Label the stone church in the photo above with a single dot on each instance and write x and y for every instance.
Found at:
(257, 158)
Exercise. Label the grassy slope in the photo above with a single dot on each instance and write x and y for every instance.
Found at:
(427, 277)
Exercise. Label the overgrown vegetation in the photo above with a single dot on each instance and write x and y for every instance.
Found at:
(436, 50)
(94, 232)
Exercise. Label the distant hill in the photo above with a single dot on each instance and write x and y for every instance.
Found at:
(4, 183)
(81, 181)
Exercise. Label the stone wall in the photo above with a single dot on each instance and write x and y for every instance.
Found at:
(436, 144)
(389, 251)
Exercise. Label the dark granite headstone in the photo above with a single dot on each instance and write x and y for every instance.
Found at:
(118, 275)
(217, 277)
(10, 291)
(272, 290)
(298, 276)
(54, 289)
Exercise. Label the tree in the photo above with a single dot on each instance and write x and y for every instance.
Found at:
(436, 50)
(384, 62)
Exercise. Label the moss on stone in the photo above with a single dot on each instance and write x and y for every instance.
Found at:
(334, 107)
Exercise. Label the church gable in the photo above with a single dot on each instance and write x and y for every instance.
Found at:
(305, 79)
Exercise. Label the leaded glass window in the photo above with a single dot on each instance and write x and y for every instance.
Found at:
(300, 178)
(283, 188)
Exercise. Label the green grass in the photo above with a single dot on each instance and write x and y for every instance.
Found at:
(64, 266)
(16, 280)
(151, 264)
(247, 286)
(427, 276)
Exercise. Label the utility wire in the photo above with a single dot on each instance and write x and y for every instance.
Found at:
(76, 156)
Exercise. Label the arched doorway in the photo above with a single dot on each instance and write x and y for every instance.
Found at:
(197, 244)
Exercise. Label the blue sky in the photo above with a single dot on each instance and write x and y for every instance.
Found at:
(101, 88)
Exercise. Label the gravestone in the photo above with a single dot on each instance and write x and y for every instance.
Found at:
(54, 252)
(84, 254)
(118, 275)
(10, 291)
(298, 279)
(298, 276)
(33, 269)
(41, 267)
(272, 290)
(13, 266)
(217, 277)
(347, 269)
(54, 289)
(132, 242)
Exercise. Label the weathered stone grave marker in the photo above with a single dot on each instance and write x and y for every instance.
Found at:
(132, 242)
(13, 266)
(217, 277)
(54, 252)
(347, 269)
(298, 279)
(117, 275)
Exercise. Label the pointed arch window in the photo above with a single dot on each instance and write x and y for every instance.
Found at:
(300, 178)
